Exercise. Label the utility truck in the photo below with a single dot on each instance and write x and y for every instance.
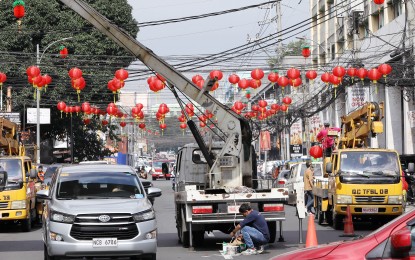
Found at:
(368, 180)
(207, 192)
(17, 191)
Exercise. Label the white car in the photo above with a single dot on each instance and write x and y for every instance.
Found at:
(296, 178)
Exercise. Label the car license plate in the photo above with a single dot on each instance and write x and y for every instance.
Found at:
(233, 209)
(104, 242)
(369, 210)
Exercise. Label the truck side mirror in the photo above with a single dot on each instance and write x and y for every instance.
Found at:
(32, 174)
(329, 167)
(401, 241)
(3, 180)
(411, 168)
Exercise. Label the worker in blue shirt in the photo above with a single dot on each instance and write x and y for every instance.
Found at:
(254, 230)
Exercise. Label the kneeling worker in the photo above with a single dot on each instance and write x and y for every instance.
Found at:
(254, 230)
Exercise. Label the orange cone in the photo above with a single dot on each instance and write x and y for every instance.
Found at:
(348, 224)
(311, 239)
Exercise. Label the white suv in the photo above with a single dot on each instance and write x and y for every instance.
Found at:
(97, 211)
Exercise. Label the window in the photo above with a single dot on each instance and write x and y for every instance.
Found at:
(397, 8)
(381, 19)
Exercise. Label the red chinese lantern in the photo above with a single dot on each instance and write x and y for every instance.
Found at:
(156, 85)
(352, 72)
(33, 71)
(160, 77)
(47, 80)
(293, 73)
(183, 126)
(200, 83)
(123, 124)
(385, 69)
(86, 107)
(311, 75)
(379, 2)
(361, 73)
(275, 107)
(306, 51)
(87, 121)
(339, 72)
(61, 106)
(104, 122)
(75, 73)
(374, 75)
(284, 108)
(142, 125)
(216, 74)
(63, 52)
(273, 77)
(233, 79)
(77, 109)
(215, 86)
(282, 82)
(162, 126)
(239, 105)
(196, 78)
(316, 151)
(296, 82)
(325, 77)
(243, 83)
(121, 75)
(78, 84)
(255, 83)
(257, 74)
(262, 103)
(287, 101)
(3, 78)
(19, 11)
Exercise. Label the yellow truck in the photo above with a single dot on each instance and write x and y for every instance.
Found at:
(17, 190)
(367, 180)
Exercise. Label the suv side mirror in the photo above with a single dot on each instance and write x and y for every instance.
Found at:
(32, 173)
(153, 192)
(329, 167)
(3, 180)
(401, 241)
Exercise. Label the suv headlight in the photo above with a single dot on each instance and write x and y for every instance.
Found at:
(18, 204)
(395, 199)
(144, 216)
(61, 217)
(344, 199)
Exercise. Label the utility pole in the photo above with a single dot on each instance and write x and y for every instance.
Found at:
(279, 28)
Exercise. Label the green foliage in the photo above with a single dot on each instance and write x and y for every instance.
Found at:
(293, 48)
(98, 57)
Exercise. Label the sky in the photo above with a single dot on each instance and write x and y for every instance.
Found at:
(213, 34)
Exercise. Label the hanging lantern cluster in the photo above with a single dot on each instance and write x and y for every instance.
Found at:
(112, 109)
(77, 81)
(189, 110)
(237, 107)
(160, 116)
(118, 82)
(217, 75)
(156, 83)
(35, 78)
(183, 125)
(137, 112)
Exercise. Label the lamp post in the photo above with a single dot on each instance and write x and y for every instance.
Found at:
(38, 60)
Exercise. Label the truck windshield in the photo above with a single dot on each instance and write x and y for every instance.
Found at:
(376, 163)
(13, 167)
(98, 185)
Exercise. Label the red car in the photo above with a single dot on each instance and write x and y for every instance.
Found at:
(158, 173)
(395, 240)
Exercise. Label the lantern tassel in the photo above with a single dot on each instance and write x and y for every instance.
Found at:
(61, 113)
(34, 94)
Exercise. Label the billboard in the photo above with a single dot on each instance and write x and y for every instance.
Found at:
(296, 140)
(44, 116)
(265, 142)
(357, 96)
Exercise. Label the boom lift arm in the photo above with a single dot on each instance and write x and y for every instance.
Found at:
(236, 127)
(359, 125)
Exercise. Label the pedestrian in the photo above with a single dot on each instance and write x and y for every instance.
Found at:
(308, 187)
(40, 173)
(254, 230)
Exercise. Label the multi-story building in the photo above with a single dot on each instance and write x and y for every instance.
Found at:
(360, 33)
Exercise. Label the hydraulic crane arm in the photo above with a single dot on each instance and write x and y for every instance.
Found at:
(361, 124)
(229, 122)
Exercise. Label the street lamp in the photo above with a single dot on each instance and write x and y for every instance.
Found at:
(38, 60)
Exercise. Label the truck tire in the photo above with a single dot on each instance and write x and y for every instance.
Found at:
(272, 227)
(198, 238)
(27, 223)
(337, 221)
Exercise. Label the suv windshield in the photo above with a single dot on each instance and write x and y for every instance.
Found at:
(98, 185)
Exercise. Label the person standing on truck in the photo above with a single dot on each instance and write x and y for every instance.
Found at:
(254, 230)
(40, 173)
(308, 187)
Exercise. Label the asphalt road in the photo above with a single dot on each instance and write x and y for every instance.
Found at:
(15, 245)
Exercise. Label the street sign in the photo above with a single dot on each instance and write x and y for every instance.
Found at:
(12, 116)
(44, 116)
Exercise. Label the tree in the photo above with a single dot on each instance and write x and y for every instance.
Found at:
(98, 57)
(293, 48)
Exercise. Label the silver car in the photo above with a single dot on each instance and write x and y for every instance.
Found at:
(98, 211)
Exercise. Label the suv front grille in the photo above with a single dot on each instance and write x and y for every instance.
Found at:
(120, 232)
(89, 226)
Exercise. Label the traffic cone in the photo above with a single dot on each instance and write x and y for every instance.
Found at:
(311, 239)
(348, 224)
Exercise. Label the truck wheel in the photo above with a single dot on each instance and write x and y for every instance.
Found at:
(27, 223)
(272, 227)
(337, 221)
